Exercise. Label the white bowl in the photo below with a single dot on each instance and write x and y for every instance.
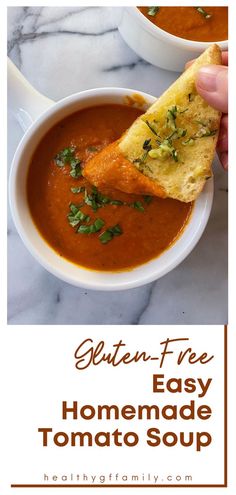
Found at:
(44, 254)
(157, 46)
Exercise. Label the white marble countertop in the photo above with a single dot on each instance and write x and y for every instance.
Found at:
(62, 51)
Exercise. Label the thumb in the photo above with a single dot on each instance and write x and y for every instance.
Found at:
(212, 86)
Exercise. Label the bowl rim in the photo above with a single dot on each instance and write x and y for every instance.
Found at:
(141, 279)
(171, 38)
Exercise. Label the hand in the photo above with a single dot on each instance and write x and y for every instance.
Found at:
(212, 85)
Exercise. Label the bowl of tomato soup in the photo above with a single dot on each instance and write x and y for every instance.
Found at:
(171, 36)
(100, 239)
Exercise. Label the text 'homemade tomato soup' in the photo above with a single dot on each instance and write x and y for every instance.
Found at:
(98, 229)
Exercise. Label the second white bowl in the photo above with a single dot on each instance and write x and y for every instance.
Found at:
(157, 46)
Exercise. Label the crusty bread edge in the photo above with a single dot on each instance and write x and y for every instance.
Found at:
(210, 56)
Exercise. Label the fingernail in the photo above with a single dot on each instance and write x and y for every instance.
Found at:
(207, 78)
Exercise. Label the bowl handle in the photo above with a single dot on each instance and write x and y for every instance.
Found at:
(25, 102)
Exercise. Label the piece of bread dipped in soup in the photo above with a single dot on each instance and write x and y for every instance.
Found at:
(168, 151)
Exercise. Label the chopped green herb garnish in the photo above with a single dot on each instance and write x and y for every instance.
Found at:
(108, 234)
(181, 132)
(151, 127)
(76, 216)
(205, 130)
(171, 117)
(75, 168)
(105, 237)
(77, 190)
(64, 156)
(137, 205)
(93, 228)
(203, 12)
(165, 150)
(152, 11)
(67, 156)
(92, 148)
(116, 230)
(200, 122)
(188, 142)
(148, 199)
(142, 159)
(178, 133)
(202, 133)
(116, 202)
(209, 133)
(90, 200)
(173, 111)
(174, 154)
(96, 200)
(146, 145)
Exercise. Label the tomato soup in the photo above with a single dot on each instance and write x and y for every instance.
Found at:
(191, 23)
(98, 229)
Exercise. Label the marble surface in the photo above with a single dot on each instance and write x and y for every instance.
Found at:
(62, 51)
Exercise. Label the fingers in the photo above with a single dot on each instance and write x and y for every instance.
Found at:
(212, 85)
(190, 62)
(222, 144)
(224, 159)
(224, 60)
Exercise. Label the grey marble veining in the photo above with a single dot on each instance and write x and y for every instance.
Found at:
(62, 51)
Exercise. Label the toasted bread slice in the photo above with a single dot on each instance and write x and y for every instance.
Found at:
(168, 151)
(174, 142)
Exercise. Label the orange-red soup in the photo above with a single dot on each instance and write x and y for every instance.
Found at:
(190, 24)
(145, 234)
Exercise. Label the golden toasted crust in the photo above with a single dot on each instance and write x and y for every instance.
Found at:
(184, 163)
